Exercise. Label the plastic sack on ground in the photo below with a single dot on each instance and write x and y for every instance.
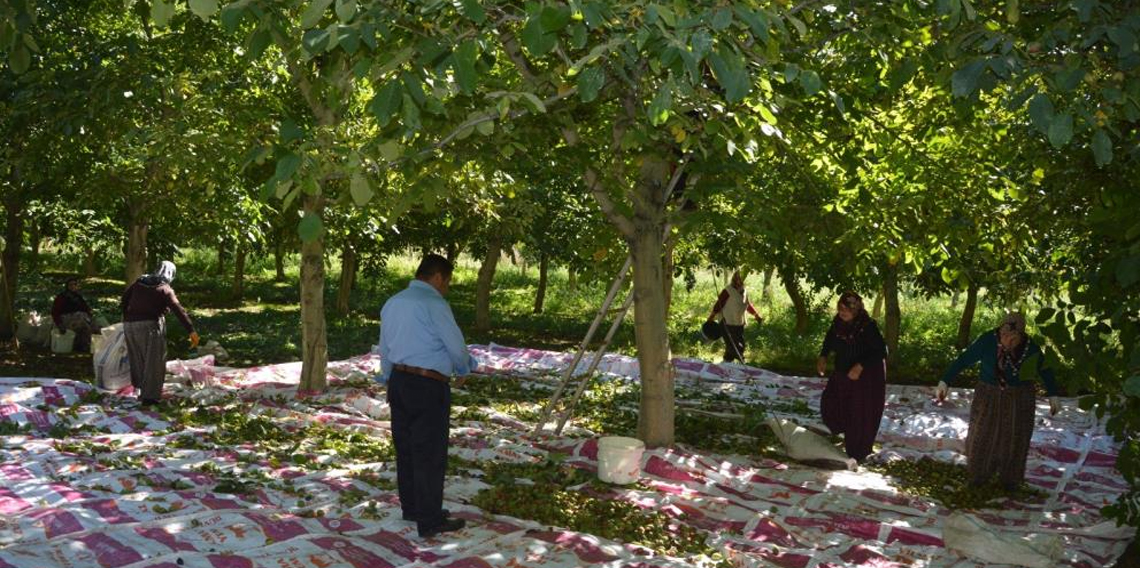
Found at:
(28, 327)
(112, 366)
(62, 341)
(213, 348)
(804, 445)
(976, 540)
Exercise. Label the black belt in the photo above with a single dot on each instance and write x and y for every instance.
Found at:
(429, 373)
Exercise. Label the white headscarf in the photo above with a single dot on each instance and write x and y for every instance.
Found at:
(165, 271)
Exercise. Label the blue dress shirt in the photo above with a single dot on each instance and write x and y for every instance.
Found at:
(418, 329)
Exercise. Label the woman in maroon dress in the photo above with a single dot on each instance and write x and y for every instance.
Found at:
(852, 403)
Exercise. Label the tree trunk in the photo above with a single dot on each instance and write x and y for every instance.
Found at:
(137, 227)
(540, 294)
(10, 271)
(314, 341)
(89, 269)
(967, 320)
(239, 271)
(766, 293)
(452, 251)
(279, 258)
(656, 417)
(893, 321)
(955, 297)
(348, 267)
(220, 269)
(484, 284)
(877, 310)
(792, 287)
(571, 279)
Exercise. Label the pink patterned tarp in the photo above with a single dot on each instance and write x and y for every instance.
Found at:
(143, 502)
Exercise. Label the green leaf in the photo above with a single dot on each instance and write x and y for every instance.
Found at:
(1132, 386)
(310, 228)
(315, 41)
(1102, 147)
(313, 14)
(766, 113)
(731, 75)
(1128, 271)
(486, 128)
(590, 83)
(722, 18)
(390, 150)
(1041, 112)
(287, 166)
(1045, 315)
(536, 105)
(799, 25)
(345, 10)
(965, 80)
(386, 103)
(536, 40)
(161, 12)
(19, 59)
(411, 114)
(811, 83)
(258, 42)
(661, 104)
(1061, 130)
(204, 9)
(231, 16)
(473, 9)
(289, 131)
(757, 21)
(360, 189)
(463, 63)
(554, 18)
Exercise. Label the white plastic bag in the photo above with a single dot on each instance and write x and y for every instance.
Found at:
(112, 365)
(976, 540)
(804, 445)
(28, 327)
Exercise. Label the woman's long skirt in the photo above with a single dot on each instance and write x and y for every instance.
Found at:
(1001, 425)
(146, 349)
(855, 408)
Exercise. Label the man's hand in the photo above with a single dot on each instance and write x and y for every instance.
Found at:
(1054, 405)
(941, 390)
(194, 339)
(759, 320)
(855, 372)
(821, 366)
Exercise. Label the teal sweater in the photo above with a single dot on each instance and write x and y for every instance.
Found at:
(984, 350)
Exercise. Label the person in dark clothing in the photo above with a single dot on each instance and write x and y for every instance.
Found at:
(145, 304)
(70, 311)
(421, 347)
(1005, 401)
(732, 303)
(853, 400)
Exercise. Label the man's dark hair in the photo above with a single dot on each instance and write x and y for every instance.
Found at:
(433, 264)
(70, 280)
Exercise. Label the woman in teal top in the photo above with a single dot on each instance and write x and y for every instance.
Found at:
(1001, 415)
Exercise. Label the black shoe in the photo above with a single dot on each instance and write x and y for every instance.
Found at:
(447, 525)
(410, 518)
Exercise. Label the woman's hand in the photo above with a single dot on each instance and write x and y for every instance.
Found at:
(821, 366)
(855, 372)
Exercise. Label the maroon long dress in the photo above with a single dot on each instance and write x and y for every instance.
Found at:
(855, 408)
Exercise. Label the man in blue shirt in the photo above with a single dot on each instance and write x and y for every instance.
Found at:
(421, 347)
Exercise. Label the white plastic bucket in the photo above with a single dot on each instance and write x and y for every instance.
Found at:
(619, 459)
(62, 342)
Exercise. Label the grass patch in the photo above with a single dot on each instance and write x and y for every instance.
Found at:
(948, 484)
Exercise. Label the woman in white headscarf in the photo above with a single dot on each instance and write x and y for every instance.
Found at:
(145, 304)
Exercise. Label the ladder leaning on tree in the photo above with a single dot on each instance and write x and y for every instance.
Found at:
(570, 374)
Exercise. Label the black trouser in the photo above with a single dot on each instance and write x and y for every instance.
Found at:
(421, 421)
(734, 338)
